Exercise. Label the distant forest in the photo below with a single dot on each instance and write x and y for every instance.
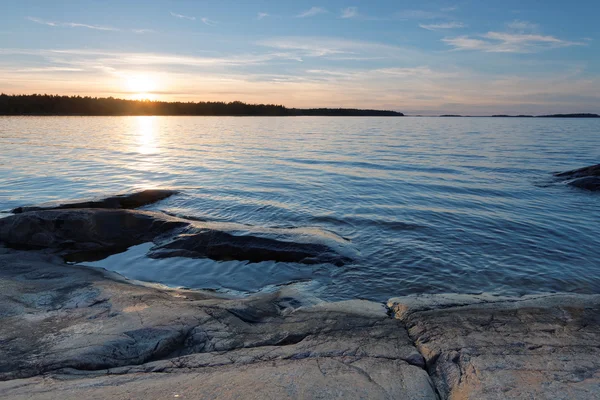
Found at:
(37, 104)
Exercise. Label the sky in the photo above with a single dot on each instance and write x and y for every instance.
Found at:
(428, 57)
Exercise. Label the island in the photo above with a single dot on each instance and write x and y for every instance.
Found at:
(37, 104)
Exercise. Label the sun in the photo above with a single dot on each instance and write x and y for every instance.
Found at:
(141, 86)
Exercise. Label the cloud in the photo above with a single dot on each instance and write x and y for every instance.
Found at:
(71, 24)
(447, 25)
(312, 12)
(51, 69)
(409, 84)
(523, 26)
(350, 12)
(262, 15)
(331, 47)
(142, 31)
(507, 42)
(418, 14)
(181, 16)
(111, 61)
(209, 22)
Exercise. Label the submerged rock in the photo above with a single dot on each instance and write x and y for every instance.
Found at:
(89, 234)
(587, 178)
(124, 201)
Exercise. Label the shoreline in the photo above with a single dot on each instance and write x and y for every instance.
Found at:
(94, 333)
(72, 331)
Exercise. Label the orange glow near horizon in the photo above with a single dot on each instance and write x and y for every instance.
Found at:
(141, 86)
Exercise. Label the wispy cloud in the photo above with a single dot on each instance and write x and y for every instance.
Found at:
(508, 42)
(447, 25)
(408, 84)
(418, 14)
(112, 61)
(51, 69)
(142, 31)
(208, 22)
(181, 16)
(262, 15)
(523, 26)
(312, 12)
(335, 48)
(71, 24)
(350, 12)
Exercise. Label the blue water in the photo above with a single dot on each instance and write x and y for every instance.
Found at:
(429, 205)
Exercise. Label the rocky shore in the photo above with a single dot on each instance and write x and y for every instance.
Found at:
(73, 332)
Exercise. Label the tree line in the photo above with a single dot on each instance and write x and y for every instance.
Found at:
(45, 104)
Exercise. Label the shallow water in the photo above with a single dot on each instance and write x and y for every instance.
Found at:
(428, 204)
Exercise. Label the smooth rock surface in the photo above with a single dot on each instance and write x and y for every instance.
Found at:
(587, 178)
(125, 201)
(88, 234)
(591, 183)
(71, 332)
(593, 170)
(538, 347)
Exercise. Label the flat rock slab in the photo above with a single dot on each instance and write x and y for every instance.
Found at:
(328, 378)
(74, 332)
(481, 347)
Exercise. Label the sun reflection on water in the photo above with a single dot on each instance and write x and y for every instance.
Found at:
(146, 134)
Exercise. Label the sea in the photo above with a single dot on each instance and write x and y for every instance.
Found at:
(423, 204)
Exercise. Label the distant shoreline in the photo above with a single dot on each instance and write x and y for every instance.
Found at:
(76, 106)
(52, 105)
(575, 115)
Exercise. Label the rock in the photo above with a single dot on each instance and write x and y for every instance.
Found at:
(88, 234)
(124, 201)
(71, 332)
(223, 246)
(591, 183)
(481, 348)
(587, 178)
(593, 170)
(85, 233)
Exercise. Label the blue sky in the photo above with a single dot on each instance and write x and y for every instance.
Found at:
(470, 57)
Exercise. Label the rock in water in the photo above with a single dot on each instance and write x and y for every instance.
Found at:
(593, 170)
(124, 201)
(84, 230)
(591, 183)
(88, 234)
(223, 246)
(587, 178)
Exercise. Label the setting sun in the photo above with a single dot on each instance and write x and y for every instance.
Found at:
(141, 86)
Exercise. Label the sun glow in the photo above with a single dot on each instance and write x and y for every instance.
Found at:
(141, 86)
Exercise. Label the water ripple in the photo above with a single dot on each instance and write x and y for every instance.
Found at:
(430, 205)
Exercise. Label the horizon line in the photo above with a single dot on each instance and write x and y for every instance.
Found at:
(442, 115)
